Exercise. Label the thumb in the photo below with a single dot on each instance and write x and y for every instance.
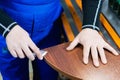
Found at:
(73, 44)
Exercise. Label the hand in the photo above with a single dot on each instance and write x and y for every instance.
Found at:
(91, 40)
(20, 44)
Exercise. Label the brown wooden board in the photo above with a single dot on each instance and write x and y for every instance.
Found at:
(70, 64)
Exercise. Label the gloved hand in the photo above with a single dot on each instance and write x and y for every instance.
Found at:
(92, 40)
(20, 44)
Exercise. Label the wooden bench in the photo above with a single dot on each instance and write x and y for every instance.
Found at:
(72, 21)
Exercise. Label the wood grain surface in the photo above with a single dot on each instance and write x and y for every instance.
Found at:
(70, 64)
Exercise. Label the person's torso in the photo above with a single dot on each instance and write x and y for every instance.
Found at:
(33, 7)
(42, 12)
(32, 2)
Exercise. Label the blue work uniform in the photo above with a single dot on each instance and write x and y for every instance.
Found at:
(40, 19)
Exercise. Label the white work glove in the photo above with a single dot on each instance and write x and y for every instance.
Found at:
(20, 44)
(92, 40)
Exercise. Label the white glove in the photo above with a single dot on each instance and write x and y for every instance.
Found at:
(92, 40)
(20, 44)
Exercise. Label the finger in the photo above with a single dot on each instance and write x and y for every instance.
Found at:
(28, 52)
(13, 53)
(94, 56)
(20, 53)
(73, 44)
(36, 50)
(86, 51)
(102, 55)
(108, 47)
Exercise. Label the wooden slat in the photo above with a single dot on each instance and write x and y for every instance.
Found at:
(77, 9)
(79, 3)
(69, 17)
(110, 30)
(67, 28)
(74, 15)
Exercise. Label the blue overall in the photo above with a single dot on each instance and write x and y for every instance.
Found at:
(40, 19)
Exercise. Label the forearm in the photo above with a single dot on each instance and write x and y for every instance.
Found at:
(91, 13)
(6, 23)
